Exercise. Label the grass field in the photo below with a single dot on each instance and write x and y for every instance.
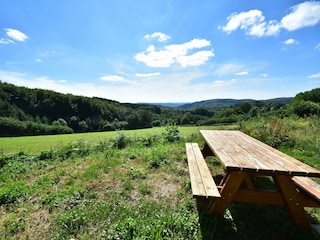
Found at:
(121, 185)
(34, 144)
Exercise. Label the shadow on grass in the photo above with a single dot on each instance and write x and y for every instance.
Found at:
(251, 221)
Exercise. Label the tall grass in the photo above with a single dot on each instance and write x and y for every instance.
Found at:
(298, 137)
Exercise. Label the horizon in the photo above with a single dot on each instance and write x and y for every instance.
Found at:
(162, 51)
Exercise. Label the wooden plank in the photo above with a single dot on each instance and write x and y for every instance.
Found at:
(257, 154)
(259, 197)
(274, 158)
(235, 148)
(206, 176)
(195, 178)
(225, 158)
(236, 155)
(202, 183)
(309, 186)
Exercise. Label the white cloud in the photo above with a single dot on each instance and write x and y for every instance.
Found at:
(161, 37)
(196, 59)
(223, 83)
(16, 35)
(38, 60)
(242, 73)
(12, 36)
(303, 15)
(176, 53)
(253, 23)
(147, 74)
(318, 46)
(316, 75)
(112, 78)
(291, 41)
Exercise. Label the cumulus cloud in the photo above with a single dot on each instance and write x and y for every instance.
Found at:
(302, 15)
(176, 53)
(16, 35)
(253, 22)
(147, 74)
(316, 75)
(291, 41)
(161, 37)
(13, 35)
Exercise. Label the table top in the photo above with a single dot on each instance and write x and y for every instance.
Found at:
(240, 152)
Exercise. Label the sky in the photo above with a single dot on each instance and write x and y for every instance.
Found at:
(159, 51)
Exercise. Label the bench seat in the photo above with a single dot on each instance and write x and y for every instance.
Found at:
(202, 183)
(308, 187)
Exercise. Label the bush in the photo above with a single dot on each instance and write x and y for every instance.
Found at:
(121, 141)
(172, 134)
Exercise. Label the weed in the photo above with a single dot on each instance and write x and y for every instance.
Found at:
(11, 192)
(128, 185)
(144, 189)
(15, 223)
(172, 134)
(70, 222)
(92, 172)
(136, 174)
(121, 141)
(158, 157)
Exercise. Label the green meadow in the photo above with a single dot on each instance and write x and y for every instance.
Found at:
(135, 185)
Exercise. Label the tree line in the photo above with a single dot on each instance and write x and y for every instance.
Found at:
(25, 111)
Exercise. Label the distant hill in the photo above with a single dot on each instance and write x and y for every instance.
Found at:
(227, 102)
(167, 104)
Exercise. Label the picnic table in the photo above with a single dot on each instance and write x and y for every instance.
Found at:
(245, 160)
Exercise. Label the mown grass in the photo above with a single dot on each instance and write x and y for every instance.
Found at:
(125, 186)
(35, 144)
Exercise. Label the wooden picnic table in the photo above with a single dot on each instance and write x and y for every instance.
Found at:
(244, 160)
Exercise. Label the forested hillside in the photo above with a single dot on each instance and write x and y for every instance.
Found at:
(25, 111)
(222, 103)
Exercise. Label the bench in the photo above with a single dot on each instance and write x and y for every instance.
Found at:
(202, 183)
(309, 189)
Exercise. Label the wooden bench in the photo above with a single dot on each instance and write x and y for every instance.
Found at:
(202, 183)
(309, 189)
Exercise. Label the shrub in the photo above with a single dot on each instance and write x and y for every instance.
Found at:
(172, 134)
(121, 141)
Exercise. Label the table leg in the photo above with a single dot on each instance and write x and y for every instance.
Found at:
(228, 191)
(250, 182)
(291, 198)
(206, 151)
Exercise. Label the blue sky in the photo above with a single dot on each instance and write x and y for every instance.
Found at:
(162, 50)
